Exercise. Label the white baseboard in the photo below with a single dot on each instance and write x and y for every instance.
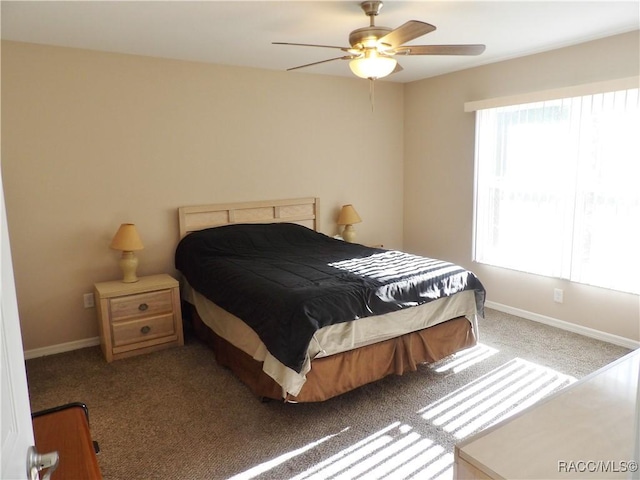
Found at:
(571, 327)
(61, 348)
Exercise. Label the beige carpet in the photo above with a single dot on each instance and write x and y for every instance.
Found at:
(176, 414)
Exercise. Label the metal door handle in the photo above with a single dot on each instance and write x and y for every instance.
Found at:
(37, 462)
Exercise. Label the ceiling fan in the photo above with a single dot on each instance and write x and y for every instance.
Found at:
(372, 50)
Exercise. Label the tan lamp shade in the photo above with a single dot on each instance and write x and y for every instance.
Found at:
(348, 216)
(127, 240)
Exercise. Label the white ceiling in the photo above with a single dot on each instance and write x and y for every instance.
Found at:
(240, 32)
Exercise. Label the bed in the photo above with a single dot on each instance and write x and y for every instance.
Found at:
(303, 317)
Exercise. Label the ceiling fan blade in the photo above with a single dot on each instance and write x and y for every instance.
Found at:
(347, 57)
(440, 50)
(344, 49)
(407, 32)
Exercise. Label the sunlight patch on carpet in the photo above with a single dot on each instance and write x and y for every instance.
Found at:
(396, 451)
(266, 466)
(401, 451)
(464, 359)
(493, 397)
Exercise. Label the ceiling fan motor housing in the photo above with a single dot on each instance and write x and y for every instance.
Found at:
(367, 37)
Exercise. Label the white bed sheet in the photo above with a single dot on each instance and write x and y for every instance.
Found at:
(332, 339)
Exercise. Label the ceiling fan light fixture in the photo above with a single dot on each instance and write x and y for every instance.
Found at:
(372, 49)
(373, 67)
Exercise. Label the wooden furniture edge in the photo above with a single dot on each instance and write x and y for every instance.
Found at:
(185, 214)
(65, 429)
(116, 288)
(460, 455)
(541, 402)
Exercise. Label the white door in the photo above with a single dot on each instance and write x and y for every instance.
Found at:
(15, 423)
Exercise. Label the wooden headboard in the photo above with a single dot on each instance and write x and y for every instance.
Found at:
(303, 211)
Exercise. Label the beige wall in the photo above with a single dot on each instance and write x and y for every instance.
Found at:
(91, 140)
(438, 182)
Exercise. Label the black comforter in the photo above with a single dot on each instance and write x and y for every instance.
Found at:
(287, 281)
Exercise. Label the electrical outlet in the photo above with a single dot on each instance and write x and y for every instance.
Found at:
(558, 295)
(89, 301)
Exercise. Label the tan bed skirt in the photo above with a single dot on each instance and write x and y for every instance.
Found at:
(337, 374)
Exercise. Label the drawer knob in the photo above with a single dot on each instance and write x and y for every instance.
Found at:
(142, 307)
(146, 329)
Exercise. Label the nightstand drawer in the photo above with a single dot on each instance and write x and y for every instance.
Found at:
(143, 329)
(143, 304)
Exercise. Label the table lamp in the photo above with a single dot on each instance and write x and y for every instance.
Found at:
(127, 240)
(348, 216)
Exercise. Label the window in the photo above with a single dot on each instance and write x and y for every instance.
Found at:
(558, 188)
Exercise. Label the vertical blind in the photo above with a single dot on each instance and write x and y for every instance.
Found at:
(558, 188)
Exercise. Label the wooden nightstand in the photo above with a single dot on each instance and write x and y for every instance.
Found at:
(140, 317)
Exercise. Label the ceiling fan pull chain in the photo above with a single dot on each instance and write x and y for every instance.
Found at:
(371, 92)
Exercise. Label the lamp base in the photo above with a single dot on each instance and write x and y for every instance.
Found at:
(349, 234)
(129, 265)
